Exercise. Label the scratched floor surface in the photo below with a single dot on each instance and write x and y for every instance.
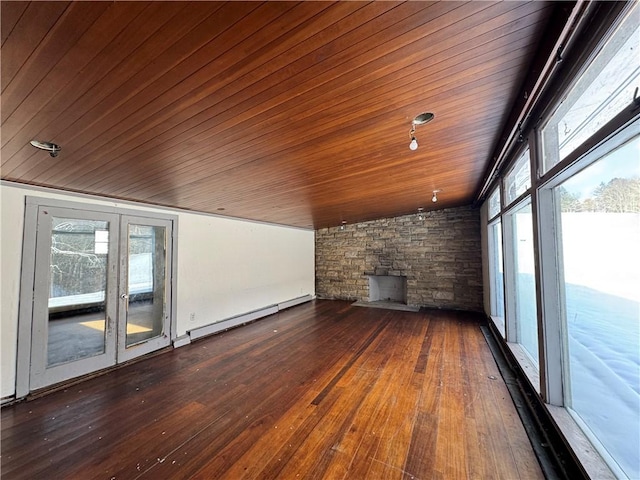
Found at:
(324, 390)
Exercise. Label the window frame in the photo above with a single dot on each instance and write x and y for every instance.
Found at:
(510, 271)
(493, 273)
(549, 297)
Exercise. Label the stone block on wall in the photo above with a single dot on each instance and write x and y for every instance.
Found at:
(440, 256)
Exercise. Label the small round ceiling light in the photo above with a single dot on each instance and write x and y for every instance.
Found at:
(52, 148)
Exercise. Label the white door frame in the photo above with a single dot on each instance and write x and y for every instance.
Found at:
(24, 384)
(125, 353)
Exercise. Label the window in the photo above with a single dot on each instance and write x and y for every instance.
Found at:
(494, 203)
(579, 263)
(524, 288)
(518, 178)
(496, 275)
(602, 91)
(599, 228)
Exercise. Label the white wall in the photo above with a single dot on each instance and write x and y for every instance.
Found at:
(226, 267)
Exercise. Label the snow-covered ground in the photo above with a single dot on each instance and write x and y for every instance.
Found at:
(601, 267)
(601, 253)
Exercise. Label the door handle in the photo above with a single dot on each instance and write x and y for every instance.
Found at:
(124, 296)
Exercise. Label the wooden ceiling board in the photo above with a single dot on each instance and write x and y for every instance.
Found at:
(295, 113)
(137, 71)
(358, 166)
(106, 64)
(339, 111)
(189, 108)
(344, 110)
(96, 148)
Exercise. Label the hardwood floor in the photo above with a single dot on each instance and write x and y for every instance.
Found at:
(323, 390)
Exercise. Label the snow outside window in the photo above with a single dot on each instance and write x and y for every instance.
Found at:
(494, 203)
(518, 179)
(525, 284)
(605, 88)
(599, 229)
(496, 273)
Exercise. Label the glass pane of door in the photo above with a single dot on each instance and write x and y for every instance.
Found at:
(77, 286)
(145, 274)
(145, 283)
(74, 294)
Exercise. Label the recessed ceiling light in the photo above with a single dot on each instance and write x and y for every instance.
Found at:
(423, 118)
(52, 148)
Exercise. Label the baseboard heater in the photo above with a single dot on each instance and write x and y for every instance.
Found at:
(238, 320)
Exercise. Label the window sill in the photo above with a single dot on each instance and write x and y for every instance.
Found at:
(582, 447)
(499, 324)
(587, 455)
(528, 367)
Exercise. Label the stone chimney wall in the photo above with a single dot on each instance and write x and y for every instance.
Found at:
(440, 256)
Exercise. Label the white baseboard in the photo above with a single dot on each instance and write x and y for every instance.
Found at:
(242, 319)
(231, 322)
(294, 302)
(181, 341)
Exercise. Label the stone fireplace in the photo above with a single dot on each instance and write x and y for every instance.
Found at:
(438, 259)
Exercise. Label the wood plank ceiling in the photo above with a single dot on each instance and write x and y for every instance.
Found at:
(292, 113)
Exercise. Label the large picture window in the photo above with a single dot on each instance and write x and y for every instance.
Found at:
(566, 295)
(599, 228)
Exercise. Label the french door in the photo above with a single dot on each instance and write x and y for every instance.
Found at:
(101, 291)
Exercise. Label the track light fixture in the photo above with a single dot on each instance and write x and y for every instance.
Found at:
(420, 213)
(434, 199)
(343, 224)
(52, 148)
(419, 120)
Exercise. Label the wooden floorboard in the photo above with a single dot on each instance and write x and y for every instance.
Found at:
(324, 390)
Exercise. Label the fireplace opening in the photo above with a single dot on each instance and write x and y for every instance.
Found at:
(388, 288)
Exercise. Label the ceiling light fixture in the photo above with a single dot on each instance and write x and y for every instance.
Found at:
(419, 120)
(343, 224)
(434, 199)
(52, 148)
(420, 213)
